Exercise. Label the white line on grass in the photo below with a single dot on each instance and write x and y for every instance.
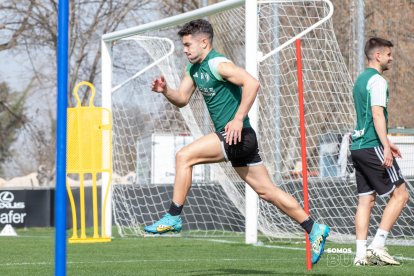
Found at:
(164, 261)
(186, 260)
(260, 244)
(146, 261)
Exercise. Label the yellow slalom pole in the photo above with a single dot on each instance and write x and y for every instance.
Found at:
(95, 206)
(73, 207)
(82, 206)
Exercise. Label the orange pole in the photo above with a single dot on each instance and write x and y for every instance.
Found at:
(303, 146)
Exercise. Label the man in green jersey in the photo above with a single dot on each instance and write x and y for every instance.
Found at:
(374, 155)
(229, 92)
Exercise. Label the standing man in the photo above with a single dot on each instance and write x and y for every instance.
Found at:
(374, 155)
(229, 92)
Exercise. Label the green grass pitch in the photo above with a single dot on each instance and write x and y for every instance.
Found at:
(32, 253)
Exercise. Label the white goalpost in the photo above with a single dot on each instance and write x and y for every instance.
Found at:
(147, 130)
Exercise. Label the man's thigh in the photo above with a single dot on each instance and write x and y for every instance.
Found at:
(256, 176)
(206, 149)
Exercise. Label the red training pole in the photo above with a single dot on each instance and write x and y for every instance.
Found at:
(303, 146)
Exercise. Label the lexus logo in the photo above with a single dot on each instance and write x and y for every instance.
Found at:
(6, 197)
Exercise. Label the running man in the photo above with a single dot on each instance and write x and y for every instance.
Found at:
(374, 155)
(229, 92)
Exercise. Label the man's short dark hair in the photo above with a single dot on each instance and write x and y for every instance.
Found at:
(375, 43)
(198, 26)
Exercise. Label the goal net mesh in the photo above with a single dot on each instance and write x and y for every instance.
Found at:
(148, 130)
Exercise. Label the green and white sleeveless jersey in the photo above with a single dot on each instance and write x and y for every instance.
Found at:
(222, 97)
(370, 89)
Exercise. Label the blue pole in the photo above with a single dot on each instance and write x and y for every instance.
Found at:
(62, 94)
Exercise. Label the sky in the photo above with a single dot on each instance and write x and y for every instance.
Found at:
(15, 70)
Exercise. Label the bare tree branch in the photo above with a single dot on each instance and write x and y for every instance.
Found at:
(24, 25)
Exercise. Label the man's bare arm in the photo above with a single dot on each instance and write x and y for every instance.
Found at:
(250, 87)
(381, 130)
(180, 97)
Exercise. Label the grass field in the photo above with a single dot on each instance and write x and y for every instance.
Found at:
(32, 253)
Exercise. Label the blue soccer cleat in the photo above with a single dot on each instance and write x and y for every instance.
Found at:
(317, 239)
(166, 224)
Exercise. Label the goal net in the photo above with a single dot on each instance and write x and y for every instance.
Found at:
(148, 130)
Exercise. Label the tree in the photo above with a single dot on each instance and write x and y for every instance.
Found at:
(11, 118)
(173, 7)
(31, 24)
(13, 27)
(29, 27)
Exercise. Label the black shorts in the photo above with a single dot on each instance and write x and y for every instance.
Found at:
(244, 153)
(371, 176)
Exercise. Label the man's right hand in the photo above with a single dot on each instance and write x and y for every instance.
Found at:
(395, 151)
(159, 85)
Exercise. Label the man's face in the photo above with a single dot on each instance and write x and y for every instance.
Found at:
(194, 47)
(385, 58)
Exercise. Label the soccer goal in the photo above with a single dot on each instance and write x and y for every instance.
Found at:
(148, 130)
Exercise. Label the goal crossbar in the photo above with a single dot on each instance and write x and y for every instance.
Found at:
(173, 20)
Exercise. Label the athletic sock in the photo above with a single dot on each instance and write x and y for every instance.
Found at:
(307, 225)
(175, 209)
(361, 248)
(379, 239)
